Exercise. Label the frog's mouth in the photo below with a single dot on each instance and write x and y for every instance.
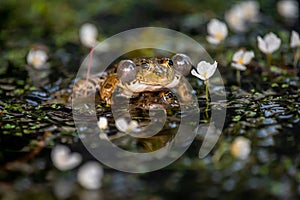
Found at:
(142, 87)
(137, 86)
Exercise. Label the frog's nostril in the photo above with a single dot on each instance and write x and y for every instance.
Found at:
(126, 71)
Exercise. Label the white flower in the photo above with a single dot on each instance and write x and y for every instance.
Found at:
(242, 58)
(269, 43)
(37, 58)
(250, 10)
(90, 175)
(241, 14)
(241, 148)
(88, 35)
(123, 126)
(217, 31)
(295, 40)
(102, 123)
(63, 159)
(288, 9)
(234, 17)
(204, 70)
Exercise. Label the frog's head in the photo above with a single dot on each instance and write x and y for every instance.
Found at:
(150, 74)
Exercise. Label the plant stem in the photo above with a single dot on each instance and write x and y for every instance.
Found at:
(269, 60)
(206, 91)
(296, 56)
(89, 67)
(206, 111)
(238, 77)
(90, 63)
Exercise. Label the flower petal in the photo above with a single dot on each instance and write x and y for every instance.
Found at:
(241, 148)
(247, 57)
(63, 159)
(238, 66)
(37, 58)
(288, 9)
(213, 40)
(262, 45)
(237, 55)
(194, 73)
(250, 10)
(88, 34)
(212, 69)
(212, 26)
(206, 70)
(90, 175)
(273, 42)
(235, 18)
(223, 29)
(102, 123)
(295, 40)
(217, 29)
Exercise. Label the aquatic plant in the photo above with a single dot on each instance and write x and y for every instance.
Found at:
(241, 148)
(268, 45)
(240, 59)
(288, 9)
(204, 71)
(88, 35)
(217, 31)
(241, 15)
(37, 57)
(295, 43)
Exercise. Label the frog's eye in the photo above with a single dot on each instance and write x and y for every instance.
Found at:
(127, 71)
(170, 62)
(182, 64)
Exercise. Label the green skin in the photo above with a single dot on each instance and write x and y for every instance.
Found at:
(153, 74)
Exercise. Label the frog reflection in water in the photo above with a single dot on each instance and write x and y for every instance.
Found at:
(148, 78)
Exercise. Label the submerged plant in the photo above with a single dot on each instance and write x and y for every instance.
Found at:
(217, 31)
(268, 45)
(239, 61)
(204, 71)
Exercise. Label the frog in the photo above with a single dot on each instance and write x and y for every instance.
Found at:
(150, 78)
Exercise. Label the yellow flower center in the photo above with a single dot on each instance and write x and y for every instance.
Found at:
(35, 60)
(204, 75)
(240, 60)
(235, 149)
(219, 36)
